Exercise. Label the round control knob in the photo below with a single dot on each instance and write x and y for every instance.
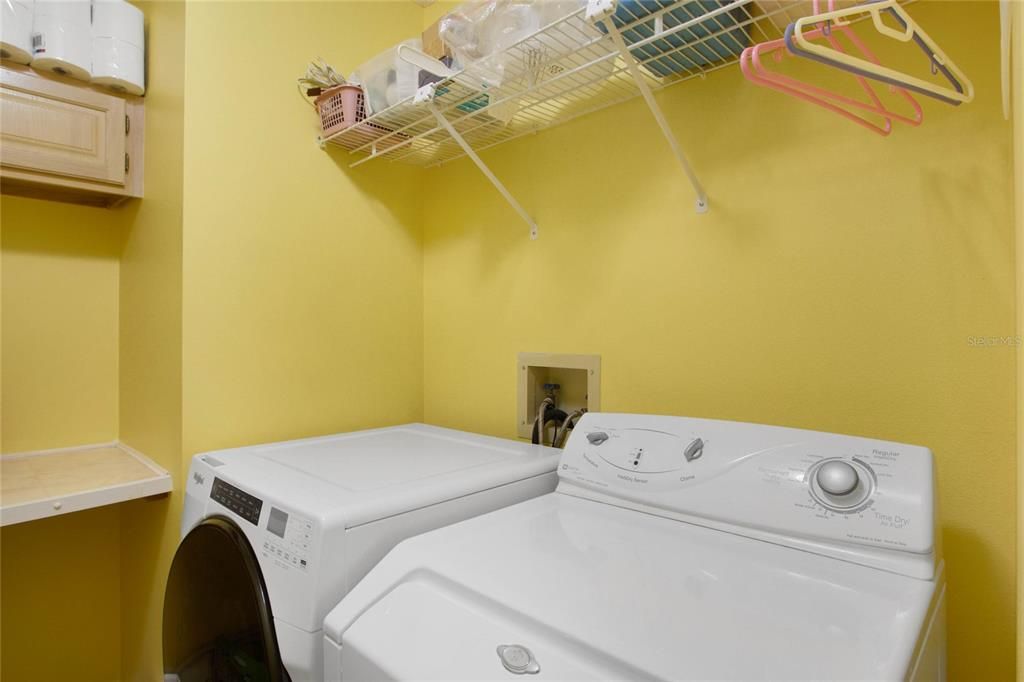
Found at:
(837, 478)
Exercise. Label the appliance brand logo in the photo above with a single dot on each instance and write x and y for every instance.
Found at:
(198, 478)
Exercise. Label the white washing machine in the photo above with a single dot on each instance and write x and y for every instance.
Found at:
(673, 549)
(275, 535)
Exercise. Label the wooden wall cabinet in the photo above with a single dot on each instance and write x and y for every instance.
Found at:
(68, 141)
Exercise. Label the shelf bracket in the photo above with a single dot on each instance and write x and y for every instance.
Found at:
(602, 11)
(446, 124)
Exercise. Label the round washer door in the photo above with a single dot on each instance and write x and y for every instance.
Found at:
(217, 619)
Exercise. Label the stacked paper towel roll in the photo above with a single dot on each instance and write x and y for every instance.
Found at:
(16, 30)
(118, 53)
(62, 37)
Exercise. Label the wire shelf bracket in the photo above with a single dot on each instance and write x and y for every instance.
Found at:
(601, 11)
(426, 94)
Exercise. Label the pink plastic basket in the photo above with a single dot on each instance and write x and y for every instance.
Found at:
(340, 107)
(343, 106)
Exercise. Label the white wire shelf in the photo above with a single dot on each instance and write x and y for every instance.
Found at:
(567, 69)
(597, 56)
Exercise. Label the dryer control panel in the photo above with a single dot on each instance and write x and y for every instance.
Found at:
(863, 497)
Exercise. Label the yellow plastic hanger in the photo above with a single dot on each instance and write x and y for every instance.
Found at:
(961, 90)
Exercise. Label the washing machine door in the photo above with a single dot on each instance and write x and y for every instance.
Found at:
(218, 625)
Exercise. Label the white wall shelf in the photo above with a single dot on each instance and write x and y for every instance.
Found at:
(567, 69)
(593, 58)
(597, 56)
(37, 485)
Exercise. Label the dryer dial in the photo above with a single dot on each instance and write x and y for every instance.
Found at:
(840, 484)
(837, 478)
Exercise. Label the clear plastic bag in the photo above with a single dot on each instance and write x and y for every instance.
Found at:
(479, 32)
(387, 78)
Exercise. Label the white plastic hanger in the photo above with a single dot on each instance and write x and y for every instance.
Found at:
(960, 89)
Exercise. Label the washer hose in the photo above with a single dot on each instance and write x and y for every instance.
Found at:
(538, 423)
(562, 435)
(547, 414)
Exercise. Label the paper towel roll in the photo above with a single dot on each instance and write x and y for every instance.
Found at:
(118, 65)
(117, 19)
(16, 30)
(118, 52)
(62, 37)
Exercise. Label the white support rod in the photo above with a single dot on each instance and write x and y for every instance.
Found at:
(446, 124)
(652, 104)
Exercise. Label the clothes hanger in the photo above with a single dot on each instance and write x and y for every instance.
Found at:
(753, 69)
(808, 95)
(875, 106)
(961, 90)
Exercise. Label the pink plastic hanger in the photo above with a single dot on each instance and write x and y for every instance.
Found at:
(754, 70)
(876, 106)
(811, 94)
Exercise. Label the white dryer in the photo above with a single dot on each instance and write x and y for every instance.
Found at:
(673, 549)
(275, 535)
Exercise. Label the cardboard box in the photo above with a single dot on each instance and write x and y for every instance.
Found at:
(432, 43)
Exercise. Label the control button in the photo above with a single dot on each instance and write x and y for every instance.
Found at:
(837, 478)
(518, 659)
(597, 437)
(694, 450)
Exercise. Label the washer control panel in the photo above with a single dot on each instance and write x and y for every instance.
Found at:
(288, 538)
(284, 537)
(780, 481)
(237, 500)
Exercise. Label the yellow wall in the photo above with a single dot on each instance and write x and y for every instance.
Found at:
(61, 598)
(300, 314)
(833, 286)
(302, 279)
(268, 295)
(60, 333)
(150, 377)
(266, 291)
(92, 352)
(1017, 90)
(59, 388)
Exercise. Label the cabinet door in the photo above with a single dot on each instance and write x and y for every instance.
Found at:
(52, 127)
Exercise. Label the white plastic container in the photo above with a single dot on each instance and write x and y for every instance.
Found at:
(118, 46)
(387, 79)
(478, 33)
